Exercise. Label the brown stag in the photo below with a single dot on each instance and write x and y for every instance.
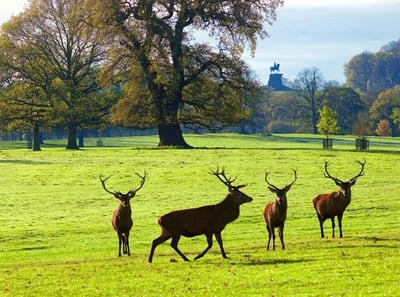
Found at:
(329, 206)
(208, 220)
(122, 216)
(275, 212)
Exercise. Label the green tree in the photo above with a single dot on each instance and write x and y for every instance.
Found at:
(386, 103)
(51, 46)
(327, 123)
(396, 116)
(359, 71)
(184, 81)
(372, 73)
(346, 103)
(23, 108)
(286, 112)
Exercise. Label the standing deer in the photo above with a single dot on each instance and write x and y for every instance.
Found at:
(275, 212)
(335, 203)
(209, 220)
(122, 216)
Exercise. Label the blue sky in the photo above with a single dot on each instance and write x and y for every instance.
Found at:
(312, 33)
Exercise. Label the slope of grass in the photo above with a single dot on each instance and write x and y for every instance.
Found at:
(57, 240)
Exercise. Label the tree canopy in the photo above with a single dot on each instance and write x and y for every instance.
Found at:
(51, 48)
(173, 77)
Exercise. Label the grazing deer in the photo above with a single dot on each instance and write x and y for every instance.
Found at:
(275, 212)
(122, 216)
(208, 220)
(335, 203)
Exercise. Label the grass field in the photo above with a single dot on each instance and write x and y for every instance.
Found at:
(56, 237)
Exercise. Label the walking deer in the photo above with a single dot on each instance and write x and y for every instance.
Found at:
(275, 212)
(208, 220)
(334, 204)
(122, 216)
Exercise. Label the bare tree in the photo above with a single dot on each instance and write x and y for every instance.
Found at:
(309, 85)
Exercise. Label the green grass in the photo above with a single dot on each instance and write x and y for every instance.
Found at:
(57, 240)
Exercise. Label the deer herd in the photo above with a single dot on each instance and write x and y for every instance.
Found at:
(211, 220)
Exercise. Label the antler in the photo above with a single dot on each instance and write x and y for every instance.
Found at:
(327, 175)
(227, 181)
(361, 173)
(266, 180)
(103, 182)
(287, 186)
(295, 178)
(143, 179)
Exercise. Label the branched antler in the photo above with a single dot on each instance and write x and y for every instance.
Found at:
(327, 174)
(361, 173)
(275, 187)
(224, 179)
(103, 183)
(143, 179)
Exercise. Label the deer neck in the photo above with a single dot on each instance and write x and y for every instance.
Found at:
(280, 207)
(340, 194)
(229, 210)
(125, 209)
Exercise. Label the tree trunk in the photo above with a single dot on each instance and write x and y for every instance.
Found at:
(72, 145)
(81, 139)
(171, 135)
(36, 138)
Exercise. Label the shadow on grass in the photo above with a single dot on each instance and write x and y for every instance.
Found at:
(256, 262)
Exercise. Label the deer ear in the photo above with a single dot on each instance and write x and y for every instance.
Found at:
(287, 188)
(272, 189)
(353, 181)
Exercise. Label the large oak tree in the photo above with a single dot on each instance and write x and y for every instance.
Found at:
(180, 78)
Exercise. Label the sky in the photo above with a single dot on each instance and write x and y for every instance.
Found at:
(324, 34)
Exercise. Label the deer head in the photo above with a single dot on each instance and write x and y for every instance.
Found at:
(239, 197)
(124, 198)
(345, 187)
(280, 192)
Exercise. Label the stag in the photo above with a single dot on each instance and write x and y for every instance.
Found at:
(275, 212)
(334, 204)
(122, 216)
(208, 220)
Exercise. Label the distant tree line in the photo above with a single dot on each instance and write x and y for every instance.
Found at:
(367, 104)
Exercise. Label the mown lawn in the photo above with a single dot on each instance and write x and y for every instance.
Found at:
(57, 240)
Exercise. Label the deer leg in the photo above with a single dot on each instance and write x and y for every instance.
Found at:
(220, 243)
(269, 236)
(174, 245)
(333, 226)
(209, 245)
(280, 230)
(119, 243)
(155, 243)
(321, 225)
(272, 230)
(339, 217)
(128, 251)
